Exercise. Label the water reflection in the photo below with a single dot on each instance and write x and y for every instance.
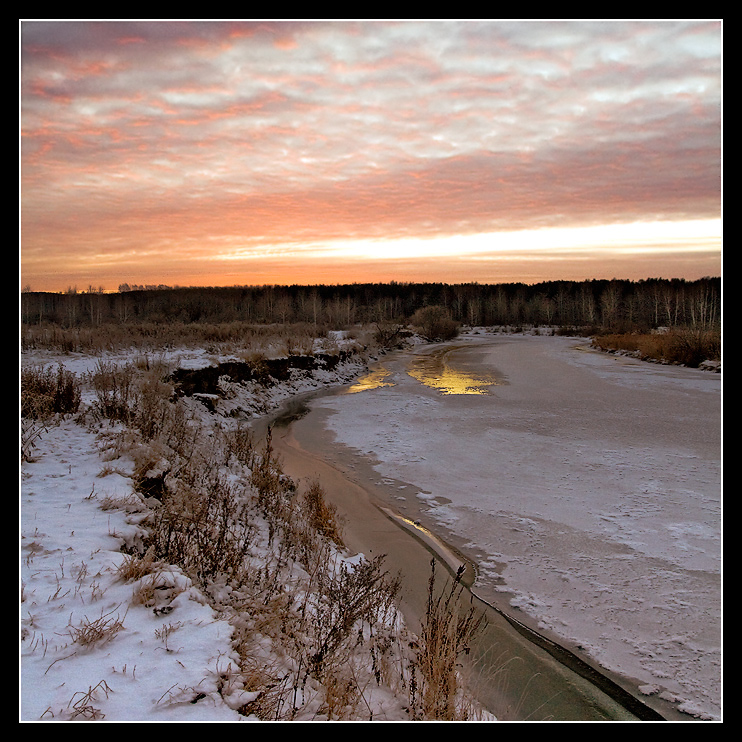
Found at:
(438, 370)
(373, 380)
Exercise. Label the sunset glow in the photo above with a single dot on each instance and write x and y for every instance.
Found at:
(229, 153)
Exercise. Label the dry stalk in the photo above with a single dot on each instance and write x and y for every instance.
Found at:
(446, 634)
(83, 706)
(98, 631)
(163, 633)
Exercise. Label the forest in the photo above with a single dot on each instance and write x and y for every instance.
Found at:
(592, 305)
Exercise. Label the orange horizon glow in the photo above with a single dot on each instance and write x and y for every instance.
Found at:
(221, 154)
(629, 251)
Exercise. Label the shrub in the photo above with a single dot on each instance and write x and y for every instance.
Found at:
(114, 390)
(45, 392)
(137, 395)
(686, 346)
(390, 335)
(203, 525)
(346, 598)
(693, 347)
(152, 406)
(434, 323)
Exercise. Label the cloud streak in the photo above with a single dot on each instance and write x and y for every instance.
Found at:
(154, 149)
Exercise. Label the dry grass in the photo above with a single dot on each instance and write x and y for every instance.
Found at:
(134, 567)
(446, 635)
(150, 337)
(128, 503)
(81, 704)
(683, 346)
(97, 631)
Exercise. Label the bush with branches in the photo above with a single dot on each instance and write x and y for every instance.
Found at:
(45, 394)
(434, 323)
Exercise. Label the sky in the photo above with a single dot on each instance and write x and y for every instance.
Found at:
(205, 153)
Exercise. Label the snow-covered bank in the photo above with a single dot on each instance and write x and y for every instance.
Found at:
(97, 643)
(88, 649)
(107, 634)
(588, 488)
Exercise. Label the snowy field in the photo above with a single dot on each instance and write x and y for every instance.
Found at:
(587, 486)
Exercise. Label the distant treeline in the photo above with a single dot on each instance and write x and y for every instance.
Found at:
(619, 305)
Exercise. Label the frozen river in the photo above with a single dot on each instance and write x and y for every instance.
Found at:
(586, 488)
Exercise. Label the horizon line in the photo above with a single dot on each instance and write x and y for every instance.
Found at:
(73, 291)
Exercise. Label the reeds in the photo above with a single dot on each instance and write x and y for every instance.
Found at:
(445, 637)
(686, 346)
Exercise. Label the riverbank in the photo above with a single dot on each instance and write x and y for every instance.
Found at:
(116, 626)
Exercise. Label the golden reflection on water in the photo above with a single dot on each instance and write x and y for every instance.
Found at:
(373, 380)
(437, 372)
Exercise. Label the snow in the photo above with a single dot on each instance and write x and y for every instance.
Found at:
(71, 548)
(91, 647)
(586, 486)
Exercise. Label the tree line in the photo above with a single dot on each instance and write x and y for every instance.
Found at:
(618, 305)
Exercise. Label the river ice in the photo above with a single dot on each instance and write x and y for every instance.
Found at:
(586, 486)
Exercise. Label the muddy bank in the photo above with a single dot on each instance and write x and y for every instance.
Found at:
(519, 673)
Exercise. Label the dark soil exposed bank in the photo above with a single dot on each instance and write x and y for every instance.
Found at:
(263, 370)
